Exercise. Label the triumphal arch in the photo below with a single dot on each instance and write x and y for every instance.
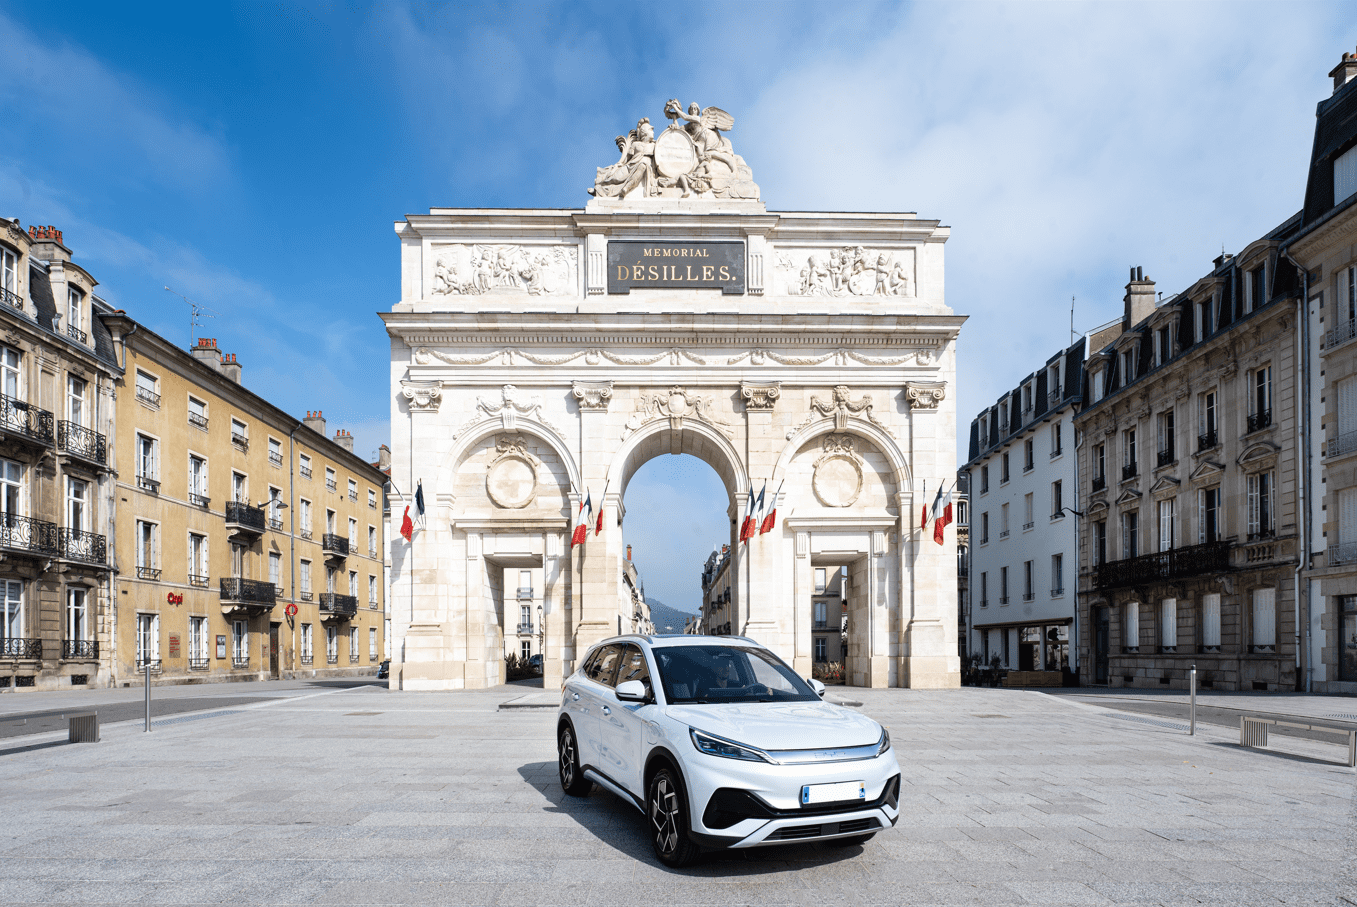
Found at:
(541, 356)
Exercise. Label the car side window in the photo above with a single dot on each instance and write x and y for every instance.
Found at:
(604, 667)
(633, 667)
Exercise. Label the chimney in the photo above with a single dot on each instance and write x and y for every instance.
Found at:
(47, 244)
(628, 552)
(230, 367)
(315, 421)
(1221, 259)
(344, 440)
(383, 458)
(206, 353)
(1344, 72)
(1139, 299)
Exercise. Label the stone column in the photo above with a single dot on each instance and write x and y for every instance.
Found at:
(596, 562)
(557, 654)
(762, 589)
(803, 586)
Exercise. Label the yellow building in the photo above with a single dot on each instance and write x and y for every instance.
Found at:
(248, 545)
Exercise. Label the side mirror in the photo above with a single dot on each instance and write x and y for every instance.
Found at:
(818, 687)
(631, 691)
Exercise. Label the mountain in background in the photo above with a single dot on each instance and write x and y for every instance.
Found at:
(665, 618)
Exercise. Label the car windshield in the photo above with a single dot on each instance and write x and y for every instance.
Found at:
(727, 674)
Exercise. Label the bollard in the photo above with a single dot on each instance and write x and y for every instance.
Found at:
(1192, 687)
(148, 695)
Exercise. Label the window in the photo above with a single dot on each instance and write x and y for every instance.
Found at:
(1027, 398)
(1056, 448)
(276, 452)
(304, 578)
(77, 503)
(1206, 407)
(1208, 515)
(77, 615)
(1168, 625)
(963, 513)
(1099, 466)
(148, 462)
(353, 490)
(1344, 175)
(240, 434)
(330, 574)
(148, 558)
(1128, 454)
(308, 643)
(9, 277)
(372, 591)
(1098, 384)
(1166, 520)
(197, 559)
(820, 579)
(821, 649)
(11, 609)
(1345, 439)
(1264, 620)
(330, 521)
(1130, 534)
(148, 641)
(304, 514)
(984, 590)
(275, 508)
(1027, 505)
(1057, 575)
(1205, 319)
(197, 643)
(11, 495)
(1260, 398)
(353, 535)
(1131, 640)
(1211, 622)
(1347, 638)
(1163, 350)
(1027, 592)
(9, 376)
(1257, 288)
(353, 644)
(372, 644)
(1100, 542)
(1027, 455)
(984, 479)
(197, 480)
(304, 465)
(1003, 521)
(353, 583)
(372, 541)
(1260, 506)
(74, 304)
(1166, 446)
(240, 644)
(1003, 585)
(1128, 366)
(330, 482)
(147, 389)
(331, 645)
(240, 488)
(372, 498)
(197, 413)
(1003, 471)
(276, 569)
(1057, 500)
(1351, 294)
(984, 527)
(75, 400)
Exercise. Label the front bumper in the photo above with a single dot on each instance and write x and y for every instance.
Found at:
(739, 818)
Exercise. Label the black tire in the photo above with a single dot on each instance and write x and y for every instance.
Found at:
(855, 841)
(573, 781)
(667, 810)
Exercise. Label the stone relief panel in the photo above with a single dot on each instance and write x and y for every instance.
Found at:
(511, 477)
(475, 270)
(848, 271)
(836, 478)
(512, 405)
(676, 406)
(840, 406)
(840, 470)
(675, 356)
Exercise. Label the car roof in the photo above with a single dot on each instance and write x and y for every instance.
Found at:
(674, 640)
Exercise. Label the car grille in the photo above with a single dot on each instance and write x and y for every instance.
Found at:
(825, 830)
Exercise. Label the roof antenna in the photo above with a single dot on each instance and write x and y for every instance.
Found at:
(199, 312)
(1073, 336)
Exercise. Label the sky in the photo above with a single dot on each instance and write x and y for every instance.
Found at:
(253, 158)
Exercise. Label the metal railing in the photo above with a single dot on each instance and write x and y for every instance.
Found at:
(1029, 596)
(332, 658)
(1208, 440)
(24, 419)
(248, 591)
(331, 485)
(338, 605)
(1341, 334)
(18, 647)
(1258, 421)
(148, 573)
(143, 663)
(524, 592)
(353, 495)
(334, 542)
(305, 595)
(148, 396)
(241, 441)
(148, 484)
(199, 664)
(306, 534)
(244, 515)
(1057, 591)
(1099, 483)
(81, 441)
(372, 550)
(76, 334)
(275, 525)
(276, 459)
(1343, 444)
(305, 471)
(1003, 534)
(12, 298)
(1129, 471)
(240, 661)
(1003, 599)
(307, 658)
(374, 604)
(24, 533)
(1053, 398)
(1028, 525)
(198, 419)
(1177, 563)
(79, 545)
(200, 500)
(200, 581)
(353, 658)
(80, 649)
(1165, 457)
(1057, 452)
(1342, 554)
(525, 628)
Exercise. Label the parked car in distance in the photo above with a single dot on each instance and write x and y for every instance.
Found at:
(722, 745)
(535, 663)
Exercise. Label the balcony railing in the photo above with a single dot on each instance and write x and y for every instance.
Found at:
(1099, 483)
(307, 658)
(1057, 452)
(1028, 525)
(195, 579)
(149, 397)
(275, 525)
(305, 595)
(1343, 444)
(332, 658)
(1207, 441)
(79, 545)
(525, 592)
(332, 543)
(1003, 599)
(374, 604)
(820, 625)
(75, 333)
(22, 533)
(198, 419)
(353, 495)
(353, 658)
(525, 628)
(372, 550)
(1129, 471)
(1342, 554)
(81, 441)
(1341, 334)
(1029, 596)
(1057, 591)
(1164, 458)
(199, 664)
(305, 471)
(146, 483)
(248, 592)
(240, 516)
(331, 485)
(22, 418)
(1178, 563)
(276, 459)
(12, 298)
(143, 663)
(338, 605)
(198, 500)
(1003, 534)
(152, 573)
(17, 647)
(1053, 398)
(80, 649)
(1260, 420)
(306, 534)
(240, 661)
(241, 441)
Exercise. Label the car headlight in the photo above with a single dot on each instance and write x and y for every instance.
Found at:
(729, 749)
(885, 743)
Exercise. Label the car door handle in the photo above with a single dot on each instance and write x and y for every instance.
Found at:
(607, 711)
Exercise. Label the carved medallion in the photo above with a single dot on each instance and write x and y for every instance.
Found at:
(511, 478)
(837, 479)
(675, 154)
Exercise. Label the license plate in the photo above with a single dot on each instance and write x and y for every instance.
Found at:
(832, 793)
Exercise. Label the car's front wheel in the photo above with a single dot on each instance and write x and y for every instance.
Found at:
(573, 781)
(667, 807)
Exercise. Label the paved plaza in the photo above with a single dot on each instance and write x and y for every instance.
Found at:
(367, 797)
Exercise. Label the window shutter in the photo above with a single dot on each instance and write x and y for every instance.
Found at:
(1132, 624)
(1211, 619)
(1168, 621)
(1253, 504)
(1347, 516)
(155, 638)
(1347, 406)
(1264, 617)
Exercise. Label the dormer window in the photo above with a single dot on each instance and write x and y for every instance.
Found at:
(1098, 378)
(1163, 346)
(74, 303)
(1205, 319)
(9, 277)
(1257, 295)
(1128, 365)
(1345, 176)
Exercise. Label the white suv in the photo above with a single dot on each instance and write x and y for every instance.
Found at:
(722, 745)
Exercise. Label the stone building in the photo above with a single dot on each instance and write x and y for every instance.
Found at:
(1022, 474)
(57, 374)
(249, 545)
(715, 614)
(540, 357)
(1189, 471)
(1325, 249)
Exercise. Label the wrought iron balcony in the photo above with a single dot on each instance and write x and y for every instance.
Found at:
(199, 664)
(149, 397)
(372, 550)
(1029, 596)
(22, 533)
(332, 658)
(76, 439)
(152, 573)
(146, 483)
(305, 595)
(1261, 420)
(525, 592)
(331, 485)
(332, 604)
(75, 333)
(1178, 563)
(241, 517)
(1057, 591)
(334, 545)
(20, 418)
(1028, 525)
(353, 658)
(1341, 334)
(1099, 483)
(247, 593)
(143, 663)
(1129, 471)
(307, 658)
(79, 545)
(1003, 599)
(1053, 398)
(240, 661)
(1208, 440)
(525, 628)
(241, 441)
(13, 299)
(305, 471)
(80, 649)
(198, 500)
(306, 534)
(353, 495)
(198, 419)
(374, 604)
(1339, 555)
(276, 459)
(275, 525)
(195, 579)
(18, 647)
(1057, 452)
(1003, 534)
(1343, 444)
(1165, 457)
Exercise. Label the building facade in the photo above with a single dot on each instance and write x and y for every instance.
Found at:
(57, 412)
(1022, 475)
(249, 545)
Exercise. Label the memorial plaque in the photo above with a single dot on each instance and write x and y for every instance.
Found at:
(174, 645)
(636, 265)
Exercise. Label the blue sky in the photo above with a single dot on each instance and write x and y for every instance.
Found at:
(253, 157)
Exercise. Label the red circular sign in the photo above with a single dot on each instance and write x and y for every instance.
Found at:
(291, 610)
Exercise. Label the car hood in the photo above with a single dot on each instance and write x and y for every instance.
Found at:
(781, 725)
